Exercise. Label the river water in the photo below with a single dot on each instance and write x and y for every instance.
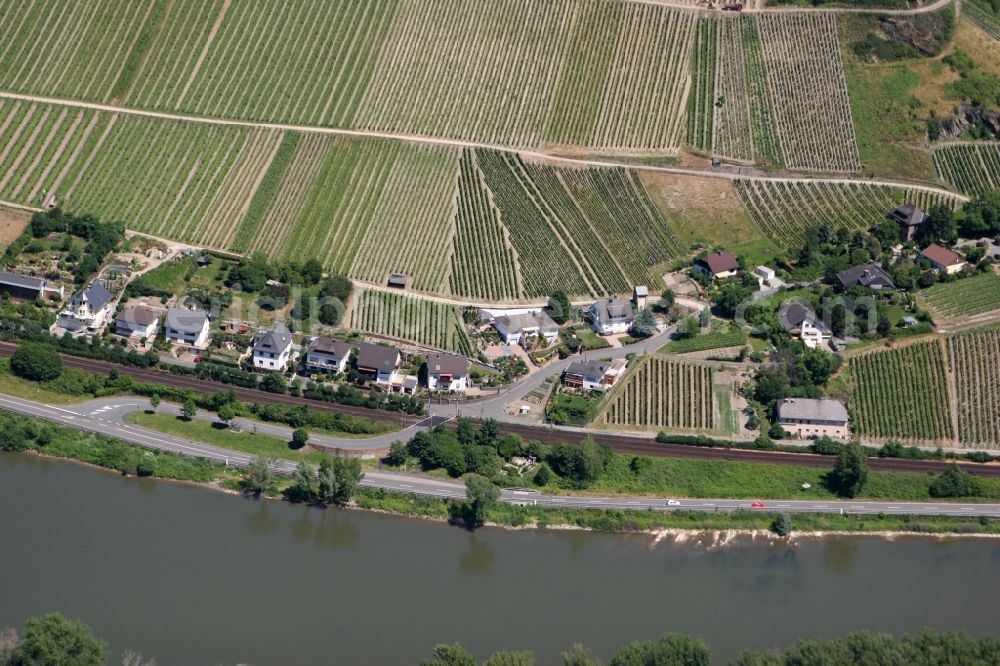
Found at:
(193, 576)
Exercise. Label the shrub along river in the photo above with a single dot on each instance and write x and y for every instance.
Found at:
(192, 576)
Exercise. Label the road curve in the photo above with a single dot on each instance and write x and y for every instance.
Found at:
(419, 485)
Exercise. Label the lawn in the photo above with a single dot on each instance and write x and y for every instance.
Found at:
(589, 339)
(210, 433)
(168, 276)
(22, 388)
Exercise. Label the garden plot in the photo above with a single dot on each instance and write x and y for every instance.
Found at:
(399, 317)
(971, 168)
(809, 91)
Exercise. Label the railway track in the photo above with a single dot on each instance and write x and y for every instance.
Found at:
(620, 443)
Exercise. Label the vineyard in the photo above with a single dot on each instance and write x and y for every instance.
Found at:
(784, 210)
(975, 360)
(701, 98)
(808, 91)
(399, 317)
(969, 168)
(963, 298)
(663, 394)
(715, 340)
(982, 19)
(608, 75)
(902, 394)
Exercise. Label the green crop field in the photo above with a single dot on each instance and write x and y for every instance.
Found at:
(416, 320)
(714, 340)
(902, 394)
(969, 168)
(663, 394)
(963, 298)
(974, 357)
(783, 210)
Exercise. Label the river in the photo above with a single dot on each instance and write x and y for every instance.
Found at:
(193, 576)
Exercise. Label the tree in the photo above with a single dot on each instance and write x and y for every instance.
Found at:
(299, 438)
(274, 382)
(449, 655)
(146, 466)
(775, 431)
(397, 454)
(330, 314)
(689, 328)
(543, 475)
(940, 225)
(838, 320)
(36, 361)
(782, 525)
(303, 488)
(312, 270)
(227, 413)
(559, 307)
(772, 384)
(53, 640)
(954, 482)
(482, 494)
(644, 324)
(506, 658)
(579, 656)
(667, 299)
(258, 479)
(850, 473)
(337, 286)
(154, 401)
(667, 650)
(189, 409)
(338, 478)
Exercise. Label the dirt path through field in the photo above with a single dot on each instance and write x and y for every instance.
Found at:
(737, 174)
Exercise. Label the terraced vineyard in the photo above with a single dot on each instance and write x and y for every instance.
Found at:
(969, 168)
(783, 210)
(808, 90)
(483, 261)
(963, 298)
(902, 394)
(399, 317)
(974, 357)
(663, 394)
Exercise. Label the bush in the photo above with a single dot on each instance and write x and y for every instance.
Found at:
(543, 475)
(782, 525)
(955, 483)
(36, 361)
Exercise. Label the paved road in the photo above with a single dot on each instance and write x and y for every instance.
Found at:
(97, 421)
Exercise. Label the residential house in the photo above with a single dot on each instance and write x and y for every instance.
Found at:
(869, 275)
(405, 384)
(517, 328)
(718, 265)
(640, 296)
(88, 309)
(186, 327)
(378, 363)
(797, 319)
(611, 316)
(594, 375)
(24, 287)
(447, 372)
(910, 219)
(137, 323)
(272, 348)
(327, 355)
(805, 417)
(943, 259)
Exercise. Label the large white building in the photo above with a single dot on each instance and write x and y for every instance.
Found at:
(378, 363)
(272, 348)
(137, 323)
(87, 310)
(447, 372)
(327, 355)
(612, 316)
(805, 417)
(517, 328)
(187, 327)
(594, 375)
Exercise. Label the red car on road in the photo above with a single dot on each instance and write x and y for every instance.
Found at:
(756, 505)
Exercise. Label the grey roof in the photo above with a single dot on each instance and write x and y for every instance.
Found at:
(519, 322)
(588, 368)
(792, 315)
(377, 357)
(186, 321)
(641, 290)
(866, 275)
(720, 262)
(95, 295)
(324, 345)
(449, 364)
(139, 316)
(278, 337)
(18, 280)
(613, 310)
(909, 215)
(807, 409)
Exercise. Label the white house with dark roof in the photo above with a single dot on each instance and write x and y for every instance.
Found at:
(594, 375)
(272, 348)
(327, 355)
(378, 363)
(805, 417)
(719, 265)
(516, 328)
(447, 372)
(799, 320)
(870, 275)
(187, 327)
(137, 323)
(88, 309)
(612, 316)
